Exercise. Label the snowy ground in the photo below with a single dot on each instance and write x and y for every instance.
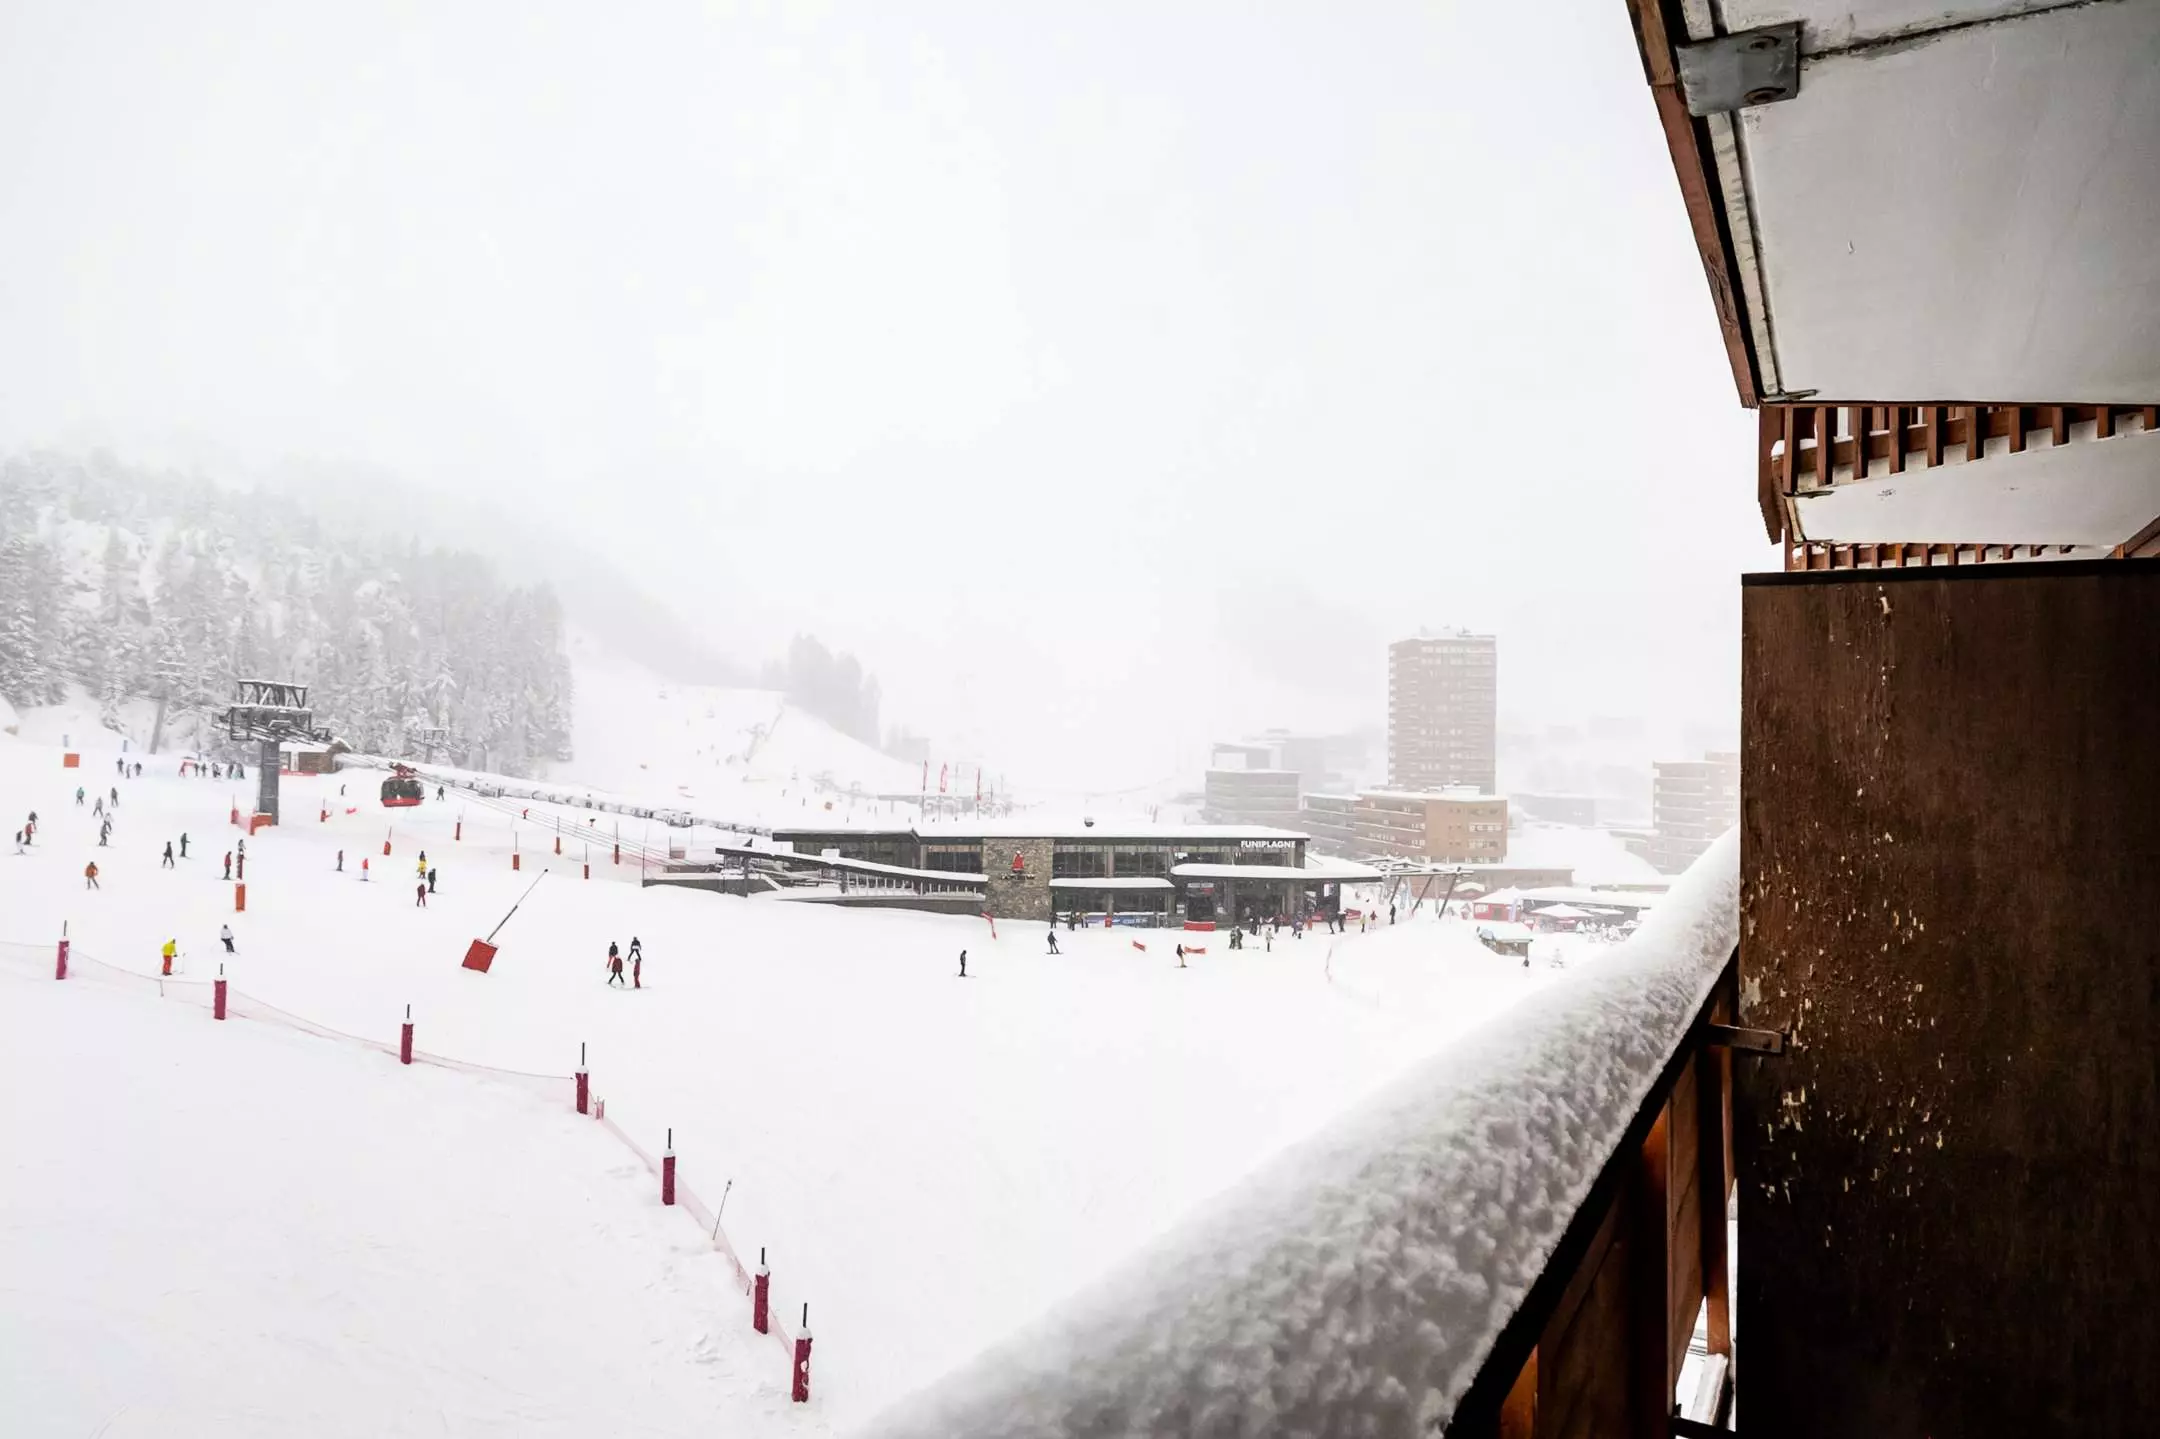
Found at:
(930, 1161)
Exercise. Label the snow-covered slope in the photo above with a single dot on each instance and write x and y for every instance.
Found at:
(237, 1229)
(634, 732)
(928, 1161)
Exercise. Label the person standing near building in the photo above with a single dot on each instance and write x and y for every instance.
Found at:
(225, 934)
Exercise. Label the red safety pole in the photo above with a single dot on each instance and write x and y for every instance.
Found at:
(802, 1360)
(459, 831)
(386, 842)
(239, 898)
(404, 1046)
(60, 963)
(217, 995)
(667, 1171)
(761, 1296)
(584, 1088)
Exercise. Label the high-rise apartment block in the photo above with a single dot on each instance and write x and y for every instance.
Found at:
(1443, 702)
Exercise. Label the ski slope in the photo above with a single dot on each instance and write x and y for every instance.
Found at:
(635, 733)
(928, 1161)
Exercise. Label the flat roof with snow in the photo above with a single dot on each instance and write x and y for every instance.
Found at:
(953, 830)
(1138, 882)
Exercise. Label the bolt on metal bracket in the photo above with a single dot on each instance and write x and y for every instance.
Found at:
(1732, 72)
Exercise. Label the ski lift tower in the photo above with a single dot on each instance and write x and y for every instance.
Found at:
(271, 713)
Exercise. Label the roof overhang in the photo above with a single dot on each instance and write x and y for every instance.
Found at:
(1949, 205)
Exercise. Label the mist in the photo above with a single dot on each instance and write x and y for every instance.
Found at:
(1104, 377)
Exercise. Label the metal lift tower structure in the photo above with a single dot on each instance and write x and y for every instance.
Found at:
(271, 713)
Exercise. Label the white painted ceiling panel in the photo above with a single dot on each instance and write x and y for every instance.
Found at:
(1835, 23)
(1967, 216)
(2092, 492)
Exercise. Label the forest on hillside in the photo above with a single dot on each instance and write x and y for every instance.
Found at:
(137, 585)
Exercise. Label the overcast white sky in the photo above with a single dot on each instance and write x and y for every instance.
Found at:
(1103, 373)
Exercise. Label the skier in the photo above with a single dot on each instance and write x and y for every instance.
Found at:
(98, 810)
(341, 861)
(183, 844)
(1391, 912)
(138, 769)
(963, 964)
(614, 964)
(120, 768)
(1268, 943)
(172, 947)
(243, 851)
(438, 791)
(1181, 956)
(431, 879)
(225, 933)
(228, 864)
(168, 864)
(423, 864)
(104, 833)
(637, 950)
(89, 875)
(363, 867)
(614, 954)
(18, 842)
(78, 796)
(637, 966)
(1053, 937)
(116, 797)
(420, 895)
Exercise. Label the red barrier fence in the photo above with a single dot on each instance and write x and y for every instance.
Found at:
(217, 996)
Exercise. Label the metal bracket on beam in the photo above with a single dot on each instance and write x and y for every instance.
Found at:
(1754, 1041)
(1732, 72)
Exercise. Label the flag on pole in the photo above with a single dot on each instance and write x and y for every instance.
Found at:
(941, 770)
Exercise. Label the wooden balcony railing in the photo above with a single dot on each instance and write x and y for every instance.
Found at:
(1597, 1346)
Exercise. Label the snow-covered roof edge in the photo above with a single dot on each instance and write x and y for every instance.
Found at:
(1359, 1280)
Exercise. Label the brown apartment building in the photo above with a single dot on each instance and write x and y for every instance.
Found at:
(1443, 698)
(1460, 827)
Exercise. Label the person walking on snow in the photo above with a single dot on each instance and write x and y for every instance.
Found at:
(120, 768)
(116, 797)
(97, 810)
(104, 833)
(168, 856)
(172, 947)
(614, 964)
(963, 964)
(228, 864)
(341, 861)
(225, 933)
(1181, 956)
(183, 844)
(637, 950)
(637, 966)
(423, 864)
(89, 875)
(420, 895)
(1053, 937)
(363, 868)
(78, 796)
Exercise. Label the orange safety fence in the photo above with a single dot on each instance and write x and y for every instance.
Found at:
(197, 990)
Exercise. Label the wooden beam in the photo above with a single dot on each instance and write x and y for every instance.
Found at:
(2017, 428)
(1649, 1235)
(2145, 543)
(2103, 421)
(1769, 429)
(1897, 439)
(2059, 422)
(1934, 414)
(1698, 190)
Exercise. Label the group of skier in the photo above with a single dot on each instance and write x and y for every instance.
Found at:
(208, 769)
(636, 957)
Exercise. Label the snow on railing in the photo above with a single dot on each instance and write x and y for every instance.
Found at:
(1357, 1283)
(555, 1088)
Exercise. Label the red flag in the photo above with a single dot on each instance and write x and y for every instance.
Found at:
(1196, 949)
(993, 923)
(1136, 944)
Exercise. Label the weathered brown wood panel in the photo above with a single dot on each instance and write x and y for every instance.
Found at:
(1583, 1361)
(1950, 1188)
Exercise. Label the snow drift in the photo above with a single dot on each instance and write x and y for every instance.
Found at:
(1356, 1284)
